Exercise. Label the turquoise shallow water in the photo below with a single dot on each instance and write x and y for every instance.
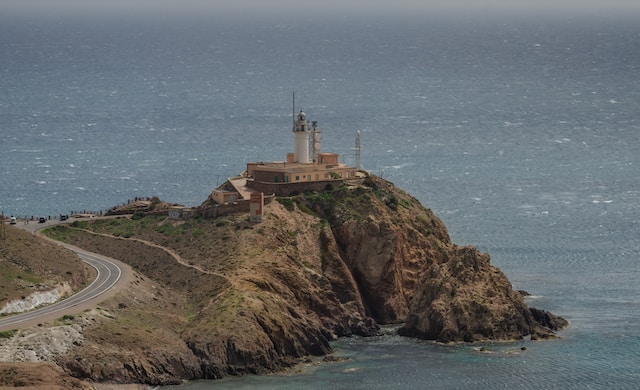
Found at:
(521, 134)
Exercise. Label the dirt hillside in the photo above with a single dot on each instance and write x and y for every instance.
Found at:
(224, 296)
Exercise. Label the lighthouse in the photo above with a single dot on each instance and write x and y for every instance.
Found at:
(305, 169)
(301, 139)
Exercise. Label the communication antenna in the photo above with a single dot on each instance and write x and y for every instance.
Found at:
(293, 111)
(358, 166)
(3, 232)
(316, 136)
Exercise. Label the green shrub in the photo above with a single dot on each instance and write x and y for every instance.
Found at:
(392, 202)
(197, 232)
(305, 209)
(168, 229)
(7, 334)
(286, 202)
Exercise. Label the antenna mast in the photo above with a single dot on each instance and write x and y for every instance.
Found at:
(358, 150)
(316, 136)
(293, 111)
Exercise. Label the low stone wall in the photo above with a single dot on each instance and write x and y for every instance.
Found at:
(240, 206)
(288, 189)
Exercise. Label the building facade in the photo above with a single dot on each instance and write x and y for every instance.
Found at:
(305, 169)
(298, 167)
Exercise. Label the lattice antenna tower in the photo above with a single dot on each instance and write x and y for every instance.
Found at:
(316, 136)
(358, 166)
(3, 228)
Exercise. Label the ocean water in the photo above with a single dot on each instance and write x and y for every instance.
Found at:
(521, 133)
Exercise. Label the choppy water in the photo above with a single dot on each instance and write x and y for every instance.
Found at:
(521, 134)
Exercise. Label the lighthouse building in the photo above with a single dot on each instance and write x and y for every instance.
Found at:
(301, 139)
(306, 168)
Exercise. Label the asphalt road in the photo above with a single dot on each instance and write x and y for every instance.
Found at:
(111, 274)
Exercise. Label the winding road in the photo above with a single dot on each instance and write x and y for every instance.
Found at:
(110, 274)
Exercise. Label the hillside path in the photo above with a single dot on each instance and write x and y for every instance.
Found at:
(168, 251)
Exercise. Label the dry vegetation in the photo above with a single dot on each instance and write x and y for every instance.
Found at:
(29, 264)
(218, 297)
(198, 280)
(37, 376)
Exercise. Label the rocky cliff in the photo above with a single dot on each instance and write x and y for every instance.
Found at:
(223, 297)
(408, 271)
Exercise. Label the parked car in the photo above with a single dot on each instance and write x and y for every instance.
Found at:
(13, 220)
(64, 217)
(42, 220)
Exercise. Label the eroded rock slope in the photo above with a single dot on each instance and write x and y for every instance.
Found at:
(223, 297)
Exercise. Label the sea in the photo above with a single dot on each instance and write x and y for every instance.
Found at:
(521, 131)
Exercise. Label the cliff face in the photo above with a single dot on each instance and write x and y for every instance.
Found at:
(465, 298)
(385, 238)
(221, 297)
(217, 297)
(408, 271)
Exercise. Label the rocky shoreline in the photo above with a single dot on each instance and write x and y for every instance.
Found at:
(212, 298)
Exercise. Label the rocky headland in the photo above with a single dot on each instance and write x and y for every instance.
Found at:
(218, 297)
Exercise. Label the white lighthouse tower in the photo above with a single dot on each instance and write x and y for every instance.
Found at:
(301, 139)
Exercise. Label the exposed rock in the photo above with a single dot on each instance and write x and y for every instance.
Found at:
(548, 320)
(385, 238)
(226, 297)
(465, 298)
(40, 344)
(38, 376)
(36, 299)
(408, 270)
(34, 271)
